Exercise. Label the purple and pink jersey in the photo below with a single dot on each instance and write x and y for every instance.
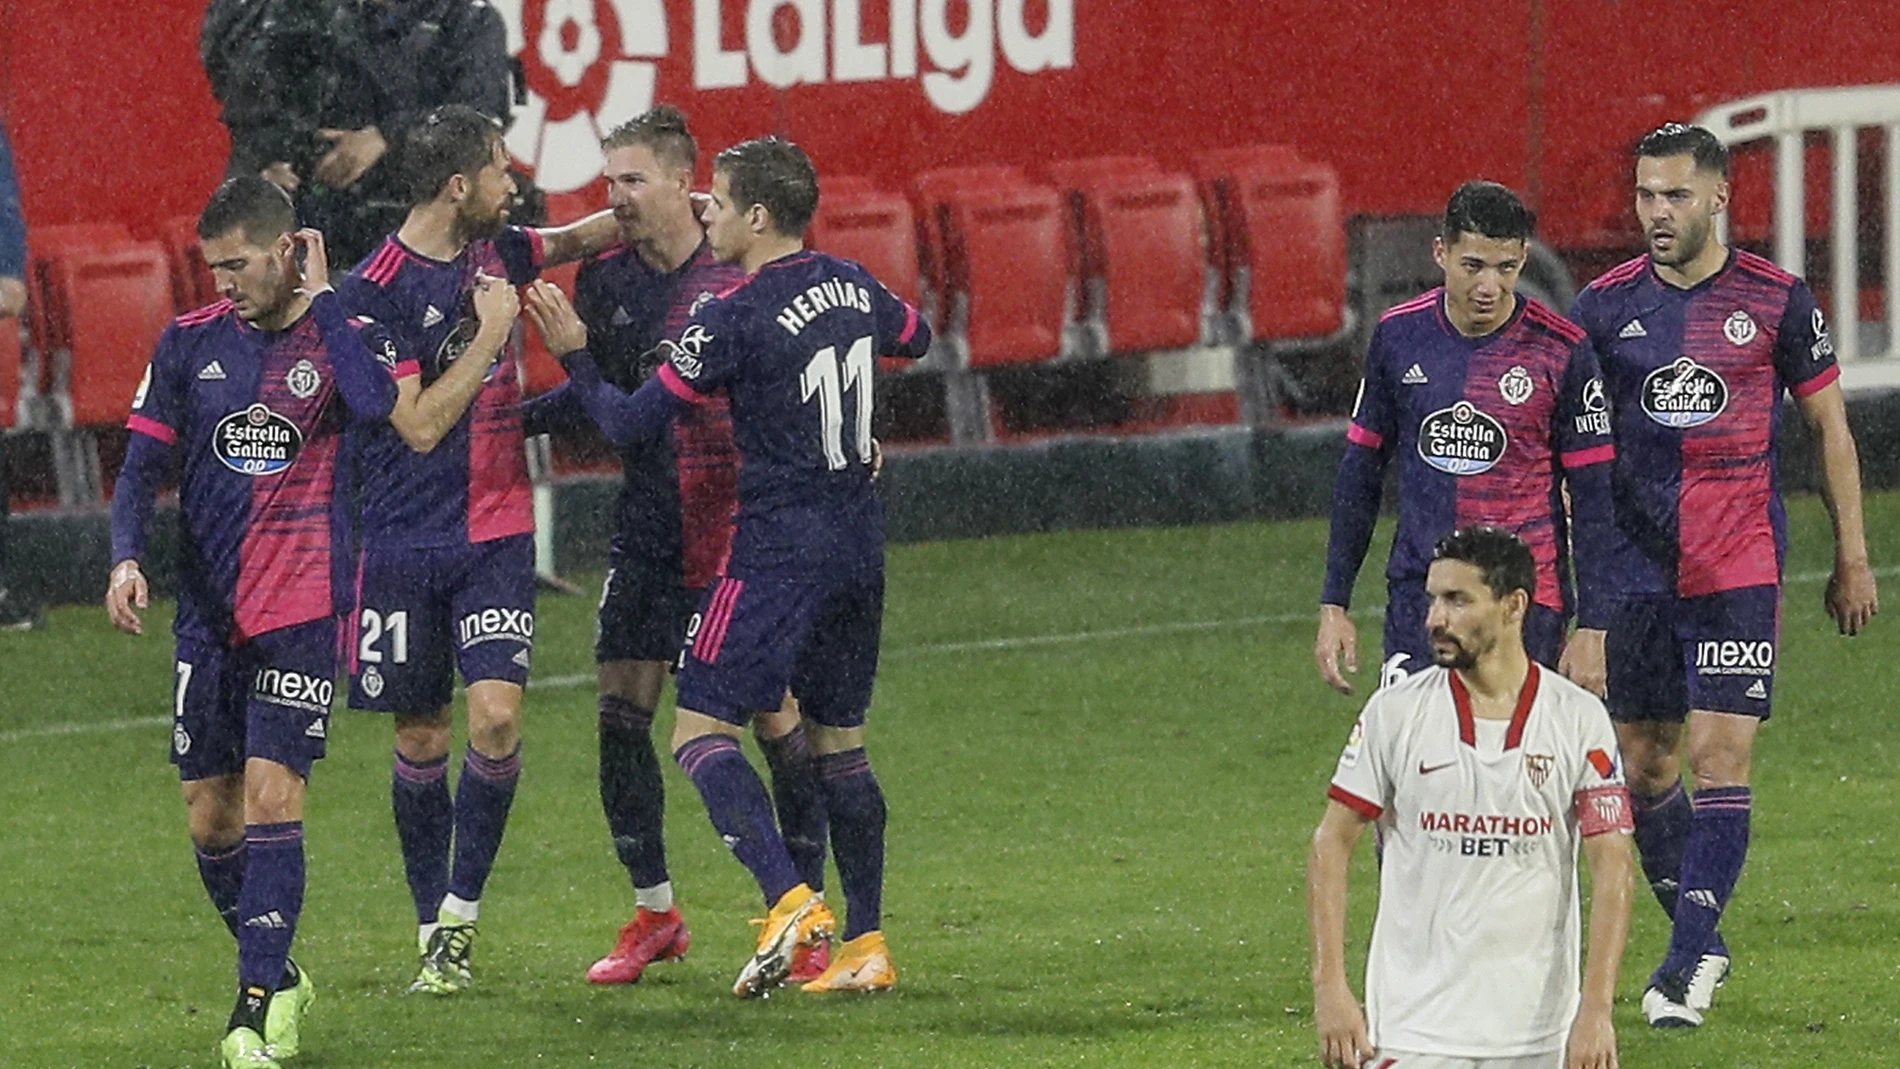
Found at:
(795, 351)
(679, 492)
(1695, 378)
(258, 419)
(420, 313)
(1485, 431)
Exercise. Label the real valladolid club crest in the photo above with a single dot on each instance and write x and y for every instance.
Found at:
(1516, 385)
(303, 381)
(593, 64)
(1739, 328)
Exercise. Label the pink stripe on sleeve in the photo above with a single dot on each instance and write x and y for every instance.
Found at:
(1583, 458)
(152, 428)
(910, 324)
(678, 387)
(406, 369)
(1358, 435)
(1817, 383)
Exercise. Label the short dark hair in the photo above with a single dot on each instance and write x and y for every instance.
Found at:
(662, 130)
(1681, 139)
(1489, 209)
(251, 204)
(453, 139)
(776, 173)
(1501, 558)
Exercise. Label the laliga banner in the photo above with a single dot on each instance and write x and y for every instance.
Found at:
(593, 64)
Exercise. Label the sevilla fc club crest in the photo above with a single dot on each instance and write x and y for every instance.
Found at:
(1516, 385)
(1739, 328)
(1538, 766)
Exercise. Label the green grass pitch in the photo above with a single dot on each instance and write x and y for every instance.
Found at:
(1103, 751)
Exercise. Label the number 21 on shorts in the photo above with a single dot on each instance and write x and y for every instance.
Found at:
(375, 627)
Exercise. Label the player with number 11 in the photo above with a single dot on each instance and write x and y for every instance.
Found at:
(801, 601)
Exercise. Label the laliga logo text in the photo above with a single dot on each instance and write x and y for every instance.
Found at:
(594, 64)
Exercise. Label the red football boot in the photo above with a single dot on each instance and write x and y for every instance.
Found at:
(647, 938)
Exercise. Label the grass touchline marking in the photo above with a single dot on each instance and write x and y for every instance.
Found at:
(1016, 642)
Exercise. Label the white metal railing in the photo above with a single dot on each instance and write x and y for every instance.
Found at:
(1788, 116)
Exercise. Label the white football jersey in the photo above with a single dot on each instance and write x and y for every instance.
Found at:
(1475, 952)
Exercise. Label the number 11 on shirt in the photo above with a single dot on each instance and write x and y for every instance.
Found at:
(821, 377)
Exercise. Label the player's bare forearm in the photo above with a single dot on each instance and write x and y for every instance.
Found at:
(1326, 869)
(423, 417)
(1612, 881)
(578, 240)
(1826, 412)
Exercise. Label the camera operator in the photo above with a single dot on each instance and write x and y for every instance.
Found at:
(317, 95)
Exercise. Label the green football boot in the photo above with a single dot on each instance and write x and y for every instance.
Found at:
(284, 1020)
(243, 1048)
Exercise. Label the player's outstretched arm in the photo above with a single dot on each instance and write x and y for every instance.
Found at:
(1852, 598)
(1344, 1041)
(623, 417)
(1592, 1043)
(423, 417)
(578, 240)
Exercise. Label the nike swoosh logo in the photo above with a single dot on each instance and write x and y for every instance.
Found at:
(1425, 770)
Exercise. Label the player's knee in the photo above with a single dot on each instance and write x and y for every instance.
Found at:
(273, 793)
(422, 736)
(214, 811)
(1717, 764)
(494, 717)
(1649, 756)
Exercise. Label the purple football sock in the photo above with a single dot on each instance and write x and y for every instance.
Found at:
(482, 799)
(632, 793)
(270, 901)
(1662, 833)
(740, 810)
(222, 871)
(855, 803)
(425, 818)
(801, 807)
(1711, 866)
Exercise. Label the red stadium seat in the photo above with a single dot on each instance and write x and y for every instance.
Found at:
(1073, 176)
(878, 231)
(11, 352)
(875, 229)
(933, 190)
(45, 320)
(1214, 172)
(1293, 238)
(1074, 179)
(119, 301)
(1145, 244)
(1006, 248)
(192, 284)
